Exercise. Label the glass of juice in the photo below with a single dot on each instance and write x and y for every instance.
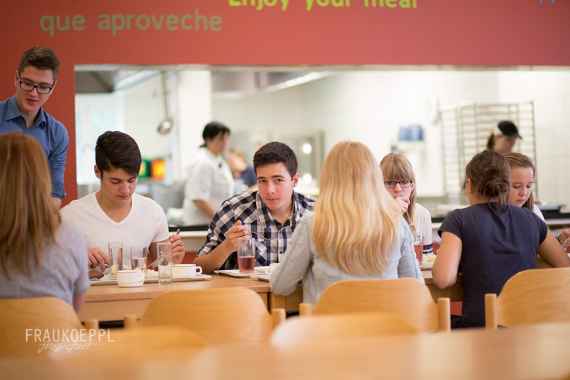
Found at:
(419, 246)
(246, 256)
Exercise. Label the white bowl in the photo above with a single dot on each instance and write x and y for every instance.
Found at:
(130, 278)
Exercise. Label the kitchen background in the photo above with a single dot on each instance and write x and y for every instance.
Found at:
(388, 108)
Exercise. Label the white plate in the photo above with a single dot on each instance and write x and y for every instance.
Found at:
(130, 285)
(263, 270)
(262, 277)
(151, 277)
(233, 273)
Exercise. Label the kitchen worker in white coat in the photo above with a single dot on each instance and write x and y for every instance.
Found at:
(210, 179)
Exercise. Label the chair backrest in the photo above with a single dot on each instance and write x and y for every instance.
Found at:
(220, 315)
(531, 296)
(28, 324)
(330, 327)
(406, 297)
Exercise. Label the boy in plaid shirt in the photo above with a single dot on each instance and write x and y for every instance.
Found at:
(268, 215)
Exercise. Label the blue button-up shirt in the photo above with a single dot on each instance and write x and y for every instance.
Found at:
(49, 132)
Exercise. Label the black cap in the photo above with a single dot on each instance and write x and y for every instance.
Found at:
(509, 129)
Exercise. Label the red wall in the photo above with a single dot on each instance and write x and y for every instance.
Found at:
(436, 32)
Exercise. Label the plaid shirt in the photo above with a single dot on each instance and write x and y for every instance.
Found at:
(271, 236)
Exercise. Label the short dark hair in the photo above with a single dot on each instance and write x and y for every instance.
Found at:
(490, 176)
(273, 153)
(213, 129)
(117, 150)
(41, 58)
(506, 128)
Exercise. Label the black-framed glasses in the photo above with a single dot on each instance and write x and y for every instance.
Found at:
(404, 185)
(28, 85)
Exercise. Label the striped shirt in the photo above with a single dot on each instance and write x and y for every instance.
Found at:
(270, 236)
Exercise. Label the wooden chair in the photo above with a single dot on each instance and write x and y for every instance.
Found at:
(26, 321)
(405, 297)
(220, 315)
(531, 296)
(330, 327)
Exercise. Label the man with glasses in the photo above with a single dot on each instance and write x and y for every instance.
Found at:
(35, 80)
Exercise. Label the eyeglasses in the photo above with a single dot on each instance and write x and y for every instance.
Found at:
(404, 185)
(28, 85)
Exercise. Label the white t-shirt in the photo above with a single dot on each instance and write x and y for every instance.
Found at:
(422, 221)
(210, 179)
(145, 224)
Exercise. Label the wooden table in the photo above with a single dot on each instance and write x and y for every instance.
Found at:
(533, 352)
(109, 302)
(454, 293)
(537, 352)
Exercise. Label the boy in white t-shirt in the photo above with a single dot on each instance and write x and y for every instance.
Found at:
(115, 212)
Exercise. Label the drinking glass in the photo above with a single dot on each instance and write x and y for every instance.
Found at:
(246, 256)
(419, 246)
(126, 263)
(138, 258)
(163, 253)
(116, 256)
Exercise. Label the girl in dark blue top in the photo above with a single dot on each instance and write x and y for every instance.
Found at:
(490, 241)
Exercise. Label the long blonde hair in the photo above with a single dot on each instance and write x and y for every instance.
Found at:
(30, 218)
(396, 167)
(356, 219)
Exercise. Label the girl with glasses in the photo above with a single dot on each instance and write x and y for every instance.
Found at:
(400, 181)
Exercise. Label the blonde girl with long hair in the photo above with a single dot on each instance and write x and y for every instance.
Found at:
(39, 255)
(356, 231)
(400, 181)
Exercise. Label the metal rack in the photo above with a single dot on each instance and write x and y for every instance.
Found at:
(465, 131)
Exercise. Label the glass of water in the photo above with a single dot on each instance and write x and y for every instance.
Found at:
(116, 256)
(138, 258)
(163, 253)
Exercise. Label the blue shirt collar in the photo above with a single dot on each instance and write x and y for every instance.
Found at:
(13, 112)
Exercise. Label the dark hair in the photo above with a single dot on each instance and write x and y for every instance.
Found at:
(506, 128)
(41, 58)
(273, 153)
(519, 160)
(491, 142)
(212, 130)
(117, 150)
(490, 176)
